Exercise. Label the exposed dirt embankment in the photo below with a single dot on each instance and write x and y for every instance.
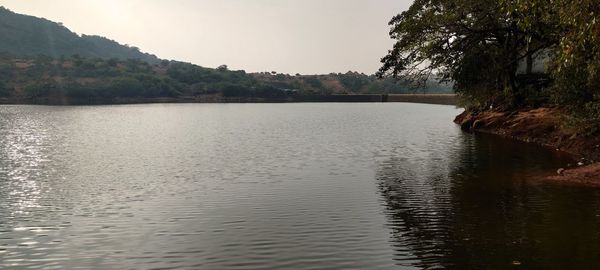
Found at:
(542, 126)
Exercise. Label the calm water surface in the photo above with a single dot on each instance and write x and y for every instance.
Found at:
(280, 186)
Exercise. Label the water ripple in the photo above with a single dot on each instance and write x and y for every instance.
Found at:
(277, 186)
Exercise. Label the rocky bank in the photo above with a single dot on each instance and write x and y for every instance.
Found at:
(542, 126)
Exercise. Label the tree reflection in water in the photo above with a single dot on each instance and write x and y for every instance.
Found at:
(473, 208)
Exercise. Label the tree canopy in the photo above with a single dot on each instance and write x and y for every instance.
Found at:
(480, 44)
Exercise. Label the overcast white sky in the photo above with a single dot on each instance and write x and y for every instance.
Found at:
(289, 36)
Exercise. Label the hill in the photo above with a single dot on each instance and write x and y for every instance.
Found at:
(97, 80)
(24, 35)
(44, 62)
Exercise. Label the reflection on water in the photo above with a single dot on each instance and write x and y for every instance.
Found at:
(475, 209)
(22, 143)
(279, 186)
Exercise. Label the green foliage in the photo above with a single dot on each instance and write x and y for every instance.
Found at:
(573, 26)
(191, 74)
(476, 80)
(354, 81)
(578, 90)
(577, 65)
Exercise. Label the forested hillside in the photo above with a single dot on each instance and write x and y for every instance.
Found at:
(24, 35)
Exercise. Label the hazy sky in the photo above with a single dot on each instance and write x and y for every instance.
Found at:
(289, 36)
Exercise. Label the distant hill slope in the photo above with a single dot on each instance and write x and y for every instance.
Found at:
(40, 59)
(30, 36)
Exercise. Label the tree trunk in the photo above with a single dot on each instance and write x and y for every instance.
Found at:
(529, 64)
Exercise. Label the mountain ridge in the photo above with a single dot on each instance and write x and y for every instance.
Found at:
(25, 35)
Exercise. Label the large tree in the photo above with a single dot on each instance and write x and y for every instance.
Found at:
(574, 26)
(478, 44)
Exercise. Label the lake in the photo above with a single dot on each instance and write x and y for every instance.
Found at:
(280, 186)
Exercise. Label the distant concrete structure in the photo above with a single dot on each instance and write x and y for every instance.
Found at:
(535, 64)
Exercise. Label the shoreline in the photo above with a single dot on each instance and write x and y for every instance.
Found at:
(541, 126)
(440, 99)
